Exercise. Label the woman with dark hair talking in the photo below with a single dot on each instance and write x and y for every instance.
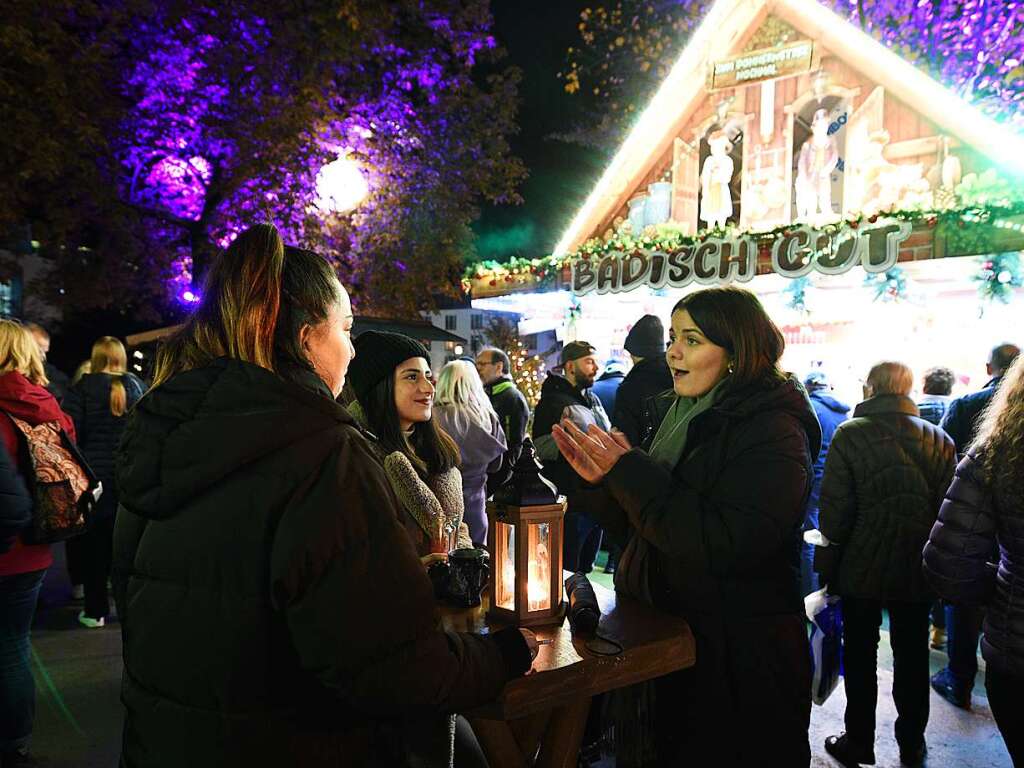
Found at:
(710, 520)
(274, 612)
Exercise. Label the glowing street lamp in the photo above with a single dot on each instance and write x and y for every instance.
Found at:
(341, 186)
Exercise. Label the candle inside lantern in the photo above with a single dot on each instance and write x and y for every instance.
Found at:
(506, 586)
(538, 583)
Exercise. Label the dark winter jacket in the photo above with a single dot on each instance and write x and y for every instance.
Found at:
(99, 431)
(15, 501)
(273, 610)
(35, 405)
(557, 394)
(513, 412)
(607, 389)
(932, 408)
(886, 473)
(962, 416)
(725, 525)
(635, 415)
(971, 523)
(831, 413)
(58, 381)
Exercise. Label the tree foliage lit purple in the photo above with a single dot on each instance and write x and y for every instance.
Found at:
(626, 47)
(217, 116)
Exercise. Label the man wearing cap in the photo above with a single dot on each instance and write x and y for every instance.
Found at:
(636, 412)
(570, 396)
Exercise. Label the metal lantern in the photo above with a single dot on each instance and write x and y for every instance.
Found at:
(525, 540)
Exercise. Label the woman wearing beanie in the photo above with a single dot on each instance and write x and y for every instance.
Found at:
(394, 390)
(273, 611)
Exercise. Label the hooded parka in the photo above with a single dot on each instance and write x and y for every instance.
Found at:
(273, 610)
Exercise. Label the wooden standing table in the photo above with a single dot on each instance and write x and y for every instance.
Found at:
(539, 719)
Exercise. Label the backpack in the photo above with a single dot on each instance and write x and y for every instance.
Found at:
(63, 487)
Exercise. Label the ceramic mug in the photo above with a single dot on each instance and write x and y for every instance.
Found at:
(468, 574)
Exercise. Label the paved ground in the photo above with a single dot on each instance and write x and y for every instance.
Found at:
(78, 718)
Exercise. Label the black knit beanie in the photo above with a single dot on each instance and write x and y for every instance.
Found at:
(646, 338)
(378, 353)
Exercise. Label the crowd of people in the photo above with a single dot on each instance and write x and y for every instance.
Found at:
(280, 480)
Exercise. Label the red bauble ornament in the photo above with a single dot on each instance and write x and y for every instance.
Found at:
(493, 283)
(854, 224)
(873, 218)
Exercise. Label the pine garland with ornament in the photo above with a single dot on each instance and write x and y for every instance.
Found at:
(890, 285)
(998, 275)
(796, 293)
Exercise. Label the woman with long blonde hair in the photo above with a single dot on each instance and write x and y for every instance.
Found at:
(975, 553)
(22, 566)
(464, 411)
(98, 402)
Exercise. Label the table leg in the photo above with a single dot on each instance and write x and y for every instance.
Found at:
(529, 731)
(498, 743)
(560, 747)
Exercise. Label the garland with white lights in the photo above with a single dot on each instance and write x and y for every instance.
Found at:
(963, 230)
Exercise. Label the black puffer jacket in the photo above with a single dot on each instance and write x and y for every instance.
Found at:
(513, 412)
(557, 394)
(274, 612)
(724, 526)
(99, 431)
(972, 522)
(885, 476)
(635, 415)
(963, 414)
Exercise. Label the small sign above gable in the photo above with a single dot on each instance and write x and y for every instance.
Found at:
(764, 64)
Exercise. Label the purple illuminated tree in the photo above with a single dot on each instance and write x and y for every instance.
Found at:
(626, 48)
(215, 116)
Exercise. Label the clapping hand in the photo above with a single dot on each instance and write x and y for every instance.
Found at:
(591, 454)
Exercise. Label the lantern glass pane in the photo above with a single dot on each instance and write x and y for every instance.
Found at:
(505, 570)
(539, 580)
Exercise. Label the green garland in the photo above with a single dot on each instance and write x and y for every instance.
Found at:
(796, 293)
(890, 285)
(965, 231)
(998, 275)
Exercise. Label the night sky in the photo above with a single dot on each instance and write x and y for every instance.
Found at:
(536, 34)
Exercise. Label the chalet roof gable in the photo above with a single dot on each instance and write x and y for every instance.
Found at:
(722, 32)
